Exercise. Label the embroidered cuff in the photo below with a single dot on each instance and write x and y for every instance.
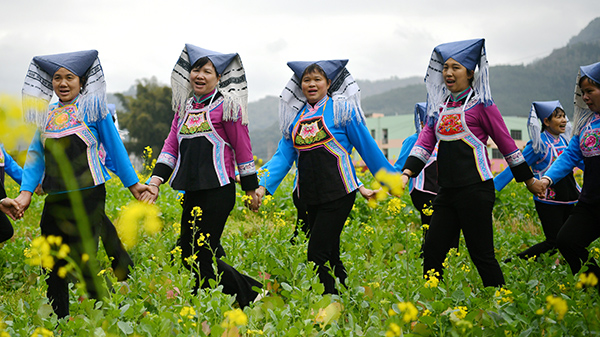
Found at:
(167, 159)
(515, 158)
(246, 169)
(420, 153)
(249, 182)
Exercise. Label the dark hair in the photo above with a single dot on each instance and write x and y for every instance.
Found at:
(553, 114)
(472, 73)
(314, 68)
(594, 83)
(202, 62)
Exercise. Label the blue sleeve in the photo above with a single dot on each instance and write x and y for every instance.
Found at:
(407, 145)
(279, 165)
(34, 165)
(12, 168)
(360, 137)
(565, 163)
(115, 150)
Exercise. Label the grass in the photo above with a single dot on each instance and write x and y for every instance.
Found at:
(386, 296)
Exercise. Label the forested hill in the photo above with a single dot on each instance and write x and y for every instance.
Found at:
(514, 87)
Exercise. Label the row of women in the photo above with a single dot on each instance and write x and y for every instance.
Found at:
(322, 122)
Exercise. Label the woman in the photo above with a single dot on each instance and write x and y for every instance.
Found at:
(462, 116)
(64, 151)
(321, 121)
(209, 134)
(583, 226)
(546, 144)
(424, 187)
(8, 206)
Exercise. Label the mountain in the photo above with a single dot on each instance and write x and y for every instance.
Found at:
(514, 87)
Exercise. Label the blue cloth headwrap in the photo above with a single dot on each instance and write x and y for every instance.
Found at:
(344, 92)
(592, 71)
(77, 62)
(219, 60)
(38, 85)
(465, 52)
(541, 110)
(331, 67)
(232, 84)
(420, 115)
(469, 53)
(583, 114)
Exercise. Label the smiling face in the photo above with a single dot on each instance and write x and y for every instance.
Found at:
(204, 79)
(556, 123)
(591, 94)
(315, 86)
(66, 85)
(456, 77)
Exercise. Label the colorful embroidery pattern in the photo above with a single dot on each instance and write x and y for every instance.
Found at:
(515, 158)
(195, 123)
(2, 158)
(310, 133)
(62, 118)
(450, 124)
(590, 143)
(167, 159)
(247, 169)
(421, 153)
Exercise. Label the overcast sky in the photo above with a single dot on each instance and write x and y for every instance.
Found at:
(140, 39)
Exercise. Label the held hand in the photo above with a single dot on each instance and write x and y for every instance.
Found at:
(255, 202)
(23, 201)
(10, 207)
(261, 191)
(539, 188)
(536, 187)
(367, 193)
(39, 190)
(138, 190)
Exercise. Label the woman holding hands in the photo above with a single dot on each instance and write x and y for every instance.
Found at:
(322, 121)
(462, 116)
(64, 151)
(208, 136)
(583, 225)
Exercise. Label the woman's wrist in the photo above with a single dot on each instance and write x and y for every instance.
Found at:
(533, 180)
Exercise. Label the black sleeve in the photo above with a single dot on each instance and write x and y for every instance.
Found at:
(163, 171)
(2, 192)
(521, 172)
(414, 164)
(250, 182)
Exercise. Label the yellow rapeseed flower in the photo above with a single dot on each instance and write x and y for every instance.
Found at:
(392, 180)
(587, 280)
(13, 128)
(188, 312)
(42, 332)
(132, 216)
(235, 317)
(393, 330)
(394, 206)
(558, 305)
(409, 311)
(459, 312)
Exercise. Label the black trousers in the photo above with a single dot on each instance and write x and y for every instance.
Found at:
(579, 231)
(552, 217)
(422, 200)
(302, 223)
(326, 222)
(469, 209)
(121, 261)
(216, 204)
(58, 219)
(6, 228)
